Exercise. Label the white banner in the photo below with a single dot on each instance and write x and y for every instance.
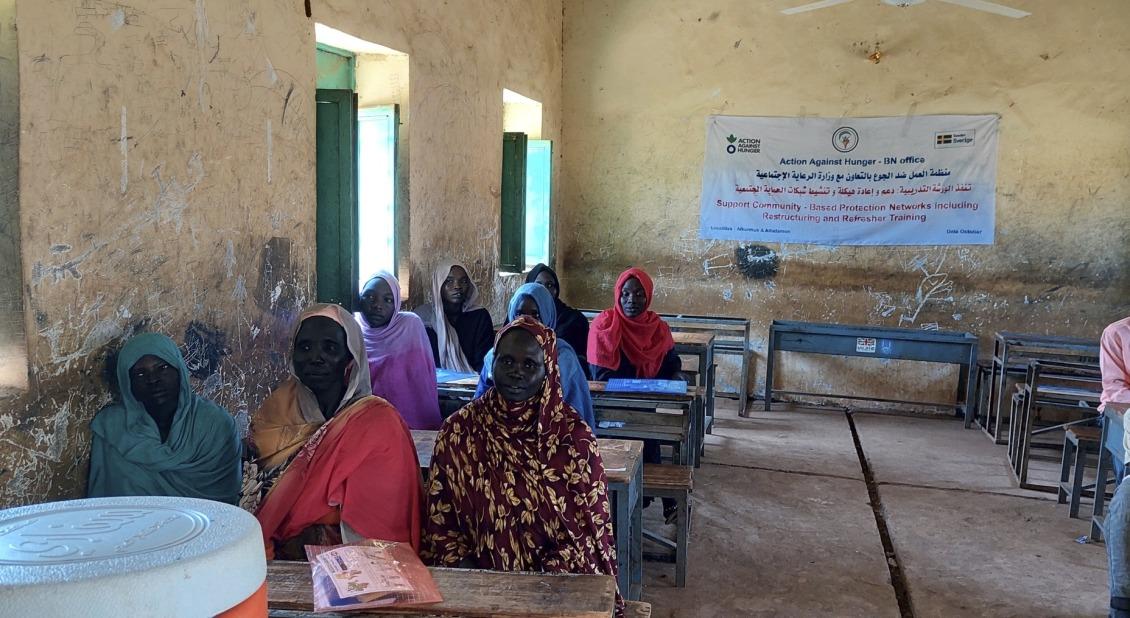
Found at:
(906, 180)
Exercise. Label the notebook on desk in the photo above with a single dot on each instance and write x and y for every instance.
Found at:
(446, 376)
(662, 387)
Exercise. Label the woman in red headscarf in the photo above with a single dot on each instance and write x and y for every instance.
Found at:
(516, 480)
(631, 341)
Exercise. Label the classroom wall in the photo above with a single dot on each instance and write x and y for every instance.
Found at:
(642, 75)
(166, 183)
(461, 56)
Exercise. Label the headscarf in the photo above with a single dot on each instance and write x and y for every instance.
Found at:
(200, 457)
(572, 325)
(450, 354)
(360, 464)
(401, 368)
(574, 384)
(644, 339)
(291, 414)
(519, 486)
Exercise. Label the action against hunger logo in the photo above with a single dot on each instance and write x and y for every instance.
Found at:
(743, 144)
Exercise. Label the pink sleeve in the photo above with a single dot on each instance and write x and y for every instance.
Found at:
(1112, 361)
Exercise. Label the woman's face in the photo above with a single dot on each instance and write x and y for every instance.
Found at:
(545, 279)
(154, 382)
(378, 304)
(456, 287)
(321, 354)
(633, 300)
(528, 306)
(519, 366)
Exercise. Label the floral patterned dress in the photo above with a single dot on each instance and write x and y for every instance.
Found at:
(520, 486)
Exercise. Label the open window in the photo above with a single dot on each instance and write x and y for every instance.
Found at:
(527, 171)
(362, 164)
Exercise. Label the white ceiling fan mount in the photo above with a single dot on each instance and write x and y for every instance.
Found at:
(979, 5)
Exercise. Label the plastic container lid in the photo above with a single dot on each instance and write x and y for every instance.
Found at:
(131, 556)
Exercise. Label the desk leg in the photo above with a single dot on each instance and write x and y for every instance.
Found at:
(622, 506)
(635, 492)
(700, 433)
(769, 370)
(970, 386)
(696, 412)
(709, 425)
(998, 405)
(1100, 488)
(743, 384)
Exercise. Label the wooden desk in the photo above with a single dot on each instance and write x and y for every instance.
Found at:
(702, 346)
(731, 338)
(1112, 424)
(1072, 388)
(878, 342)
(1012, 349)
(642, 419)
(466, 593)
(623, 469)
(637, 411)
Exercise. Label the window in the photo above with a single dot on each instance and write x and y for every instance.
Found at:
(527, 172)
(361, 88)
(376, 163)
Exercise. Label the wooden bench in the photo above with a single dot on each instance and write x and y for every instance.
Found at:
(731, 338)
(637, 609)
(1077, 443)
(677, 482)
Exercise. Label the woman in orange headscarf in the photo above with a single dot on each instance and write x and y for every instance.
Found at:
(329, 457)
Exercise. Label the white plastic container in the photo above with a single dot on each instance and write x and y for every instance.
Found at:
(135, 556)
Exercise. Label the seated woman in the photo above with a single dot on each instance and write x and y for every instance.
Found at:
(535, 301)
(572, 326)
(631, 341)
(327, 452)
(460, 331)
(162, 439)
(401, 368)
(516, 481)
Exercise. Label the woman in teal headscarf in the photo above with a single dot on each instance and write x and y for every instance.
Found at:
(162, 439)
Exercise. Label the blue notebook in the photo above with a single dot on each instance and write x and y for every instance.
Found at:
(443, 376)
(663, 387)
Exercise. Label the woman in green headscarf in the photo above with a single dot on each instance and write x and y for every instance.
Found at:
(162, 439)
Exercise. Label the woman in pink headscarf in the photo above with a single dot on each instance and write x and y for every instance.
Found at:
(401, 367)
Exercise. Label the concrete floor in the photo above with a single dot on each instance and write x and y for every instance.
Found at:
(783, 526)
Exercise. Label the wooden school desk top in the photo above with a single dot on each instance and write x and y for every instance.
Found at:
(467, 592)
(620, 457)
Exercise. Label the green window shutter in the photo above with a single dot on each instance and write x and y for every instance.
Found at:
(513, 216)
(336, 218)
